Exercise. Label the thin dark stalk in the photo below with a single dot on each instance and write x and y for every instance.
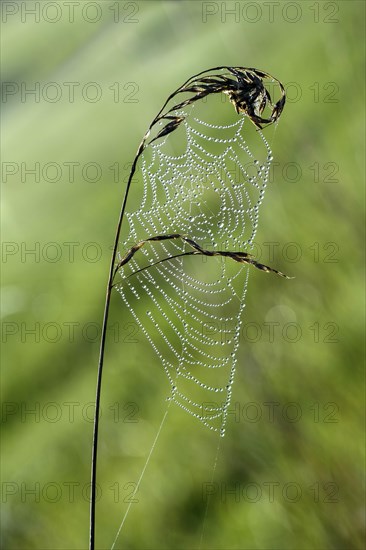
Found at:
(112, 271)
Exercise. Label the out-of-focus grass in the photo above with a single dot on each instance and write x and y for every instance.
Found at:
(297, 477)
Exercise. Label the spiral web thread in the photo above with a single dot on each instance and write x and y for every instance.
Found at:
(190, 308)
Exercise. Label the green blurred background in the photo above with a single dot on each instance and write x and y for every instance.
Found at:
(291, 480)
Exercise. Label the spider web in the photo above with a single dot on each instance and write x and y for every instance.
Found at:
(203, 181)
